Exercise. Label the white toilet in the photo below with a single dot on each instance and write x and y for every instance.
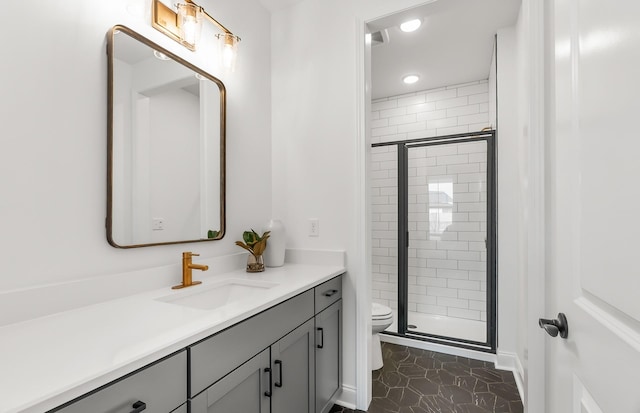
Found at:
(381, 319)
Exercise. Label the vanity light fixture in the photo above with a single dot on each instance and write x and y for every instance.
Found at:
(410, 25)
(185, 24)
(410, 79)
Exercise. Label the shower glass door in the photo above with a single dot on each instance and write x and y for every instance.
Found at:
(438, 240)
(447, 204)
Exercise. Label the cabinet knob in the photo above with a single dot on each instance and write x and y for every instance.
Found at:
(329, 293)
(138, 407)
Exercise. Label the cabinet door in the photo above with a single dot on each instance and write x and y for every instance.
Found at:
(328, 356)
(244, 390)
(292, 364)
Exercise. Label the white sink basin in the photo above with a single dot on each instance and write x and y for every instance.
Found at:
(217, 294)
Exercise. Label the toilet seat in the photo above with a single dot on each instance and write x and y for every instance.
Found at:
(380, 312)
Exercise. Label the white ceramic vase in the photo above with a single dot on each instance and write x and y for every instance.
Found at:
(274, 254)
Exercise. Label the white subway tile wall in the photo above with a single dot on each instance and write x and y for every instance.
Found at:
(384, 193)
(447, 202)
(437, 112)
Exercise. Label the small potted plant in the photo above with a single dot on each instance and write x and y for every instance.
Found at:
(256, 245)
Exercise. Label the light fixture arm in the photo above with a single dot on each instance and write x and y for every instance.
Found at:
(211, 19)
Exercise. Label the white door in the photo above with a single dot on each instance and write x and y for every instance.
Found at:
(593, 206)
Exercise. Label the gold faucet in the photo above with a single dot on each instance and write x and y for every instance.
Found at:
(187, 266)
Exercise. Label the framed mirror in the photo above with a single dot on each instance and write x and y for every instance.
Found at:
(166, 146)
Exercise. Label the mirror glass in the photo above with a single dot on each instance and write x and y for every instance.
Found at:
(166, 146)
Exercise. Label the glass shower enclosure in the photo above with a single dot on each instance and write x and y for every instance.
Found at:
(433, 209)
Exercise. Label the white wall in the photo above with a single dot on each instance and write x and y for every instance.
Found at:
(522, 107)
(53, 114)
(318, 138)
(493, 80)
(508, 190)
(512, 186)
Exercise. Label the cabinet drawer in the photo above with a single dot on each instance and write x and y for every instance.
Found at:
(328, 293)
(215, 357)
(160, 386)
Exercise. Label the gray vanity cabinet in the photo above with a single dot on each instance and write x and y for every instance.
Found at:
(286, 359)
(328, 353)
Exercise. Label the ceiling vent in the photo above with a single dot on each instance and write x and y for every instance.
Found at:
(379, 37)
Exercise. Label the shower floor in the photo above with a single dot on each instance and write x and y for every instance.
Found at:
(443, 326)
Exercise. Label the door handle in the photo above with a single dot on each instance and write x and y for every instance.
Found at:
(556, 326)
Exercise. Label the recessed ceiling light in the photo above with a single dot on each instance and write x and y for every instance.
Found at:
(411, 25)
(410, 79)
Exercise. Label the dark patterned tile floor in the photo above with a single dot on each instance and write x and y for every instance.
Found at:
(422, 381)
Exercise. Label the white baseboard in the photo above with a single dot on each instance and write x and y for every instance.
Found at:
(347, 397)
(511, 361)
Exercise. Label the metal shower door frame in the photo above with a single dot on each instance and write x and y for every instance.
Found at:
(403, 147)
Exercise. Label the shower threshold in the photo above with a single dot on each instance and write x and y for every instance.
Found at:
(457, 328)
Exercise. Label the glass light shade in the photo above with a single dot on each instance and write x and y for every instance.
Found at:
(228, 50)
(190, 21)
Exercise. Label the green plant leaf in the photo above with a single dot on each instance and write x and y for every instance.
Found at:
(249, 237)
(212, 234)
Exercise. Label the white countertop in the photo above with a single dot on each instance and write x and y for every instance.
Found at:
(47, 361)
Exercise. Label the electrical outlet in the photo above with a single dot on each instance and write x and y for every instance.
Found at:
(314, 227)
(157, 224)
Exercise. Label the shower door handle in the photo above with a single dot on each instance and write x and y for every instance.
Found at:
(556, 326)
